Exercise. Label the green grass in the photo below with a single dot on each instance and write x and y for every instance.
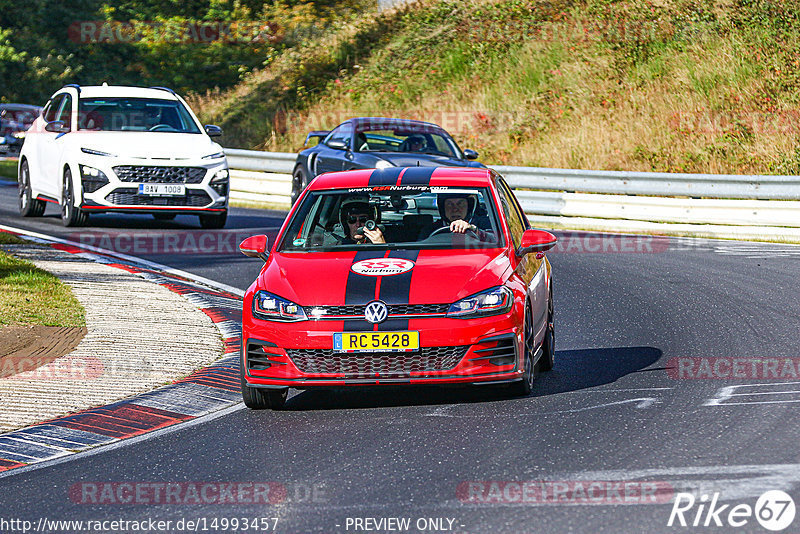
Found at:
(668, 85)
(29, 295)
(11, 239)
(8, 169)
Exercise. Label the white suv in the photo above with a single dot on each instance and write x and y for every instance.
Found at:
(122, 149)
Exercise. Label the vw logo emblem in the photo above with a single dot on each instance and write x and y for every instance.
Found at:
(376, 312)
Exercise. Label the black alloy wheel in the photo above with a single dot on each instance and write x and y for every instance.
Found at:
(28, 206)
(70, 215)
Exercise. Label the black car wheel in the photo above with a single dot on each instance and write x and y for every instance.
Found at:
(70, 215)
(549, 344)
(214, 221)
(261, 399)
(524, 386)
(28, 206)
(299, 182)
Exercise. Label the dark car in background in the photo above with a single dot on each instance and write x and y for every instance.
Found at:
(377, 143)
(15, 119)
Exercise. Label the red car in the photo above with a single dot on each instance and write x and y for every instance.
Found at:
(413, 275)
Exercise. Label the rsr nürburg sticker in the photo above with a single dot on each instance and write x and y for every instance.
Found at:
(382, 267)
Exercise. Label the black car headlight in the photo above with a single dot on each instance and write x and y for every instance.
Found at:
(493, 301)
(92, 179)
(269, 307)
(220, 182)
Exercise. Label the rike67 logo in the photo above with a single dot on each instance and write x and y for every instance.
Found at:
(774, 510)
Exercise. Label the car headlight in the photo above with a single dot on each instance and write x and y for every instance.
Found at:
(221, 176)
(493, 301)
(383, 164)
(97, 152)
(92, 179)
(269, 307)
(19, 135)
(216, 155)
(220, 182)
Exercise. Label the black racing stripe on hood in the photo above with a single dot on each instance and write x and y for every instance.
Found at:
(396, 290)
(360, 290)
(417, 176)
(385, 176)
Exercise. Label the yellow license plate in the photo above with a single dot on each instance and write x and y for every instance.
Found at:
(376, 341)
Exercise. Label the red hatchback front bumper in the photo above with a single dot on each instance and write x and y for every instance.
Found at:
(452, 351)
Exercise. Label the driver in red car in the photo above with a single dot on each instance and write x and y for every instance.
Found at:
(458, 213)
(354, 214)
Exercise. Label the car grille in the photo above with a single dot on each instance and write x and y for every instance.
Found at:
(160, 175)
(381, 363)
(394, 309)
(130, 197)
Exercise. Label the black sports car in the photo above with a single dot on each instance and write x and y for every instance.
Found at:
(14, 120)
(377, 143)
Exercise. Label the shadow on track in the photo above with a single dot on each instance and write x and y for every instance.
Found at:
(574, 370)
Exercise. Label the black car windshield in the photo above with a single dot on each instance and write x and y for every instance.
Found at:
(405, 217)
(17, 119)
(415, 138)
(135, 115)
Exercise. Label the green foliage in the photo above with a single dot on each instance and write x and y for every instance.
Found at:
(41, 46)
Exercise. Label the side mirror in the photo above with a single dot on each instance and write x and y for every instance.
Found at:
(337, 144)
(536, 241)
(213, 130)
(255, 247)
(470, 154)
(56, 127)
(317, 135)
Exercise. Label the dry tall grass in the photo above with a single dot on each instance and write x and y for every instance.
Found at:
(549, 85)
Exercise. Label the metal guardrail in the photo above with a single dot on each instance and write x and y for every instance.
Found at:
(727, 186)
(748, 207)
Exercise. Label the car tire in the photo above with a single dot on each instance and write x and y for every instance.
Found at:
(299, 182)
(70, 215)
(547, 361)
(164, 216)
(523, 388)
(214, 221)
(28, 206)
(261, 399)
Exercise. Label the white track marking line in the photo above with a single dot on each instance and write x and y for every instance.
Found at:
(99, 449)
(133, 259)
(728, 392)
(156, 433)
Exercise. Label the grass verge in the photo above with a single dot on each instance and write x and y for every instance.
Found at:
(31, 296)
(8, 170)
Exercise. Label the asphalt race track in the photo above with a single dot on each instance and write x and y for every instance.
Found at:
(607, 439)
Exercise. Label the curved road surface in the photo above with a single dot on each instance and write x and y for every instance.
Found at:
(620, 420)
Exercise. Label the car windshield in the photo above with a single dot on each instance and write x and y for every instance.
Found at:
(17, 119)
(406, 217)
(135, 115)
(414, 138)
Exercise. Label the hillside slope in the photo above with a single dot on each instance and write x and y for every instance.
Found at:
(666, 85)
